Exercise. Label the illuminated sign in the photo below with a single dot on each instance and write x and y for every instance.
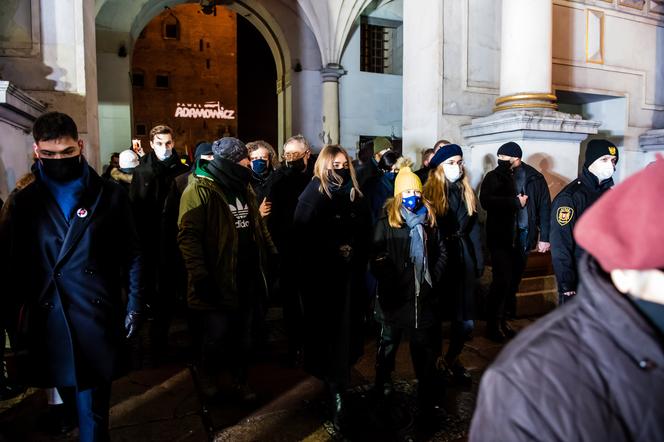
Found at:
(209, 110)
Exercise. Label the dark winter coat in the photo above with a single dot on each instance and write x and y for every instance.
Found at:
(593, 370)
(286, 188)
(568, 206)
(208, 241)
(333, 288)
(498, 196)
(367, 171)
(155, 205)
(465, 262)
(377, 190)
(64, 279)
(262, 186)
(397, 303)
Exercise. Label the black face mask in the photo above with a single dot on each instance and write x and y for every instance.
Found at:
(343, 173)
(64, 169)
(504, 164)
(296, 165)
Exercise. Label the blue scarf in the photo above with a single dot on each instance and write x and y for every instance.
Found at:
(415, 222)
(66, 194)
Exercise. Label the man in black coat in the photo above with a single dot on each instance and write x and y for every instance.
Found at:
(156, 206)
(69, 246)
(569, 205)
(288, 183)
(516, 198)
(594, 368)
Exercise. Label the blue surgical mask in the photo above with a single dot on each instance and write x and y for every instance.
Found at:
(412, 202)
(259, 166)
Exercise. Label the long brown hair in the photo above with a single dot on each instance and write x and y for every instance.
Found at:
(324, 163)
(394, 217)
(255, 145)
(435, 190)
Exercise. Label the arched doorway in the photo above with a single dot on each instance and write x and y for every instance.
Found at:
(119, 24)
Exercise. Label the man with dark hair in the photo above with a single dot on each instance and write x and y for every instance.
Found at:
(516, 198)
(67, 239)
(423, 172)
(569, 205)
(225, 246)
(155, 205)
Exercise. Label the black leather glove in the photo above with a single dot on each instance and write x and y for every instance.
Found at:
(133, 321)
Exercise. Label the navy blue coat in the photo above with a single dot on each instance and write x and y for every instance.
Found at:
(63, 281)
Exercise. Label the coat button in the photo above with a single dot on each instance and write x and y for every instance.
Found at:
(88, 272)
(97, 301)
(47, 305)
(58, 275)
(646, 364)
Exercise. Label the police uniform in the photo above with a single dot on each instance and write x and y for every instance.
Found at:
(566, 209)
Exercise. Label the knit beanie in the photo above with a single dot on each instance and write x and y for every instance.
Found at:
(510, 149)
(128, 159)
(231, 149)
(380, 144)
(406, 180)
(445, 152)
(597, 149)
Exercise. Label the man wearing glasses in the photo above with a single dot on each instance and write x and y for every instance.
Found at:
(288, 185)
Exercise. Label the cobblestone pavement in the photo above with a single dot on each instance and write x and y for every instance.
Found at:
(161, 404)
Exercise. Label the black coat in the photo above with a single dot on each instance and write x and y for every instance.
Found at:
(155, 201)
(333, 289)
(287, 185)
(593, 370)
(397, 301)
(498, 198)
(64, 279)
(465, 262)
(377, 190)
(262, 186)
(568, 206)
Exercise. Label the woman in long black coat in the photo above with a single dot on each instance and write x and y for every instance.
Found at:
(449, 190)
(333, 223)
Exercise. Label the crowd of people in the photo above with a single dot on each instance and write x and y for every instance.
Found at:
(90, 261)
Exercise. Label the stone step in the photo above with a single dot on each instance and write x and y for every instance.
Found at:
(536, 303)
(538, 283)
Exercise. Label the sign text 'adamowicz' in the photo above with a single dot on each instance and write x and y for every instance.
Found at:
(211, 109)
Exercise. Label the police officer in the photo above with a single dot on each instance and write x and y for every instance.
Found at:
(569, 205)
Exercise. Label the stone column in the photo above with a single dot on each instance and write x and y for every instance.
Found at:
(525, 57)
(330, 75)
(525, 111)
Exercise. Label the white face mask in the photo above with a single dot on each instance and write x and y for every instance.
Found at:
(603, 170)
(162, 152)
(452, 172)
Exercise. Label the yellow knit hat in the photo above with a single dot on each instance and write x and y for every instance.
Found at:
(406, 180)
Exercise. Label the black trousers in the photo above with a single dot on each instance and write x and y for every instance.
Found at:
(92, 406)
(422, 352)
(508, 266)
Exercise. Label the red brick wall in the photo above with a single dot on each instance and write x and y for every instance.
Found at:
(191, 81)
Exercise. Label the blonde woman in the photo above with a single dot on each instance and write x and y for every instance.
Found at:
(454, 201)
(333, 226)
(408, 261)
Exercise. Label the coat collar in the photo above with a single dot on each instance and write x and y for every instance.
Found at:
(621, 319)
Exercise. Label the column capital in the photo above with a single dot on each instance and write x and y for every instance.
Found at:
(332, 72)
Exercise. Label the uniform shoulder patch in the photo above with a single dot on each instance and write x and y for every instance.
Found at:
(564, 215)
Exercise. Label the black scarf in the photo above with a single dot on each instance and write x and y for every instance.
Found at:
(230, 175)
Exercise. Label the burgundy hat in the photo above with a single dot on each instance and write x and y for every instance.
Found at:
(623, 229)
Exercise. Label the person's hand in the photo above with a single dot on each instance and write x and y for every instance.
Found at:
(132, 322)
(523, 199)
(265, 207)
(570, 293)
(543, 247)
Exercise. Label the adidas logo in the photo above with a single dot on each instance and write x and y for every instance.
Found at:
(240, 211)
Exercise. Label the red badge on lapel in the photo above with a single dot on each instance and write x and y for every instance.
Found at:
(82, 213)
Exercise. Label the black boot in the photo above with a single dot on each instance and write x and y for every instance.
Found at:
(494, 333)
(507, 330)
(338, 408)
